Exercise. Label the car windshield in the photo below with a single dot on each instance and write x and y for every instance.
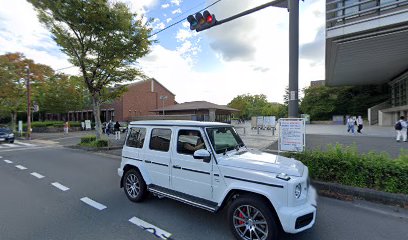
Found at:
(224, 139)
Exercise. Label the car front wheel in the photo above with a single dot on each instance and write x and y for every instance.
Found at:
(134, 186)
(250, 219)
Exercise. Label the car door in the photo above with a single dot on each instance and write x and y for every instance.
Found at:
(188, 175)
(157, 156)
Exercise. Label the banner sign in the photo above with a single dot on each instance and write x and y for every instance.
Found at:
(292, 134)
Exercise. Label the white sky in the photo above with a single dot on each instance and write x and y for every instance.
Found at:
(249, 55)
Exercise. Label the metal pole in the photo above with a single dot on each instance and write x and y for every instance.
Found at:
(293, 58)
(163, 106)
(28, 104)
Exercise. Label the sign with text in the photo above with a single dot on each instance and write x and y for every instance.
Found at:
(291, 134)
(88, 124)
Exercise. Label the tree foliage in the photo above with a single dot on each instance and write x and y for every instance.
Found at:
(256, 105)
(103, 38)
(13, 75)
(323, 102)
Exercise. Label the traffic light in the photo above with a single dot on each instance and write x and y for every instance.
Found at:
(202, 21)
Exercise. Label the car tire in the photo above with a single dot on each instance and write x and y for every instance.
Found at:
(260, 223)
(134, 186)
(12, 141)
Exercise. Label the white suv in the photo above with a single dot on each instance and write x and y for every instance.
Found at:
(206, 164)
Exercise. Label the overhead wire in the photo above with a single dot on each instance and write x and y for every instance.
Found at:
(183, 19)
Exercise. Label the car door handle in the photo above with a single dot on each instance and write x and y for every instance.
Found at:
(176, 166)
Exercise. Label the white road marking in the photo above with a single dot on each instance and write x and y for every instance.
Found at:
(37, 175)
(8, 161)
(1, 157)
(24, 144)
(60, 186)
(93, 203)
(21, 167)
(10, 145)
(150, 228)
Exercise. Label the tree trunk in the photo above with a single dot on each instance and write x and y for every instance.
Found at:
(97, 115)
(13, 121)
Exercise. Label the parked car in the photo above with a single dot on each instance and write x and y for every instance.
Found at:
(6, 135)
(207, 165)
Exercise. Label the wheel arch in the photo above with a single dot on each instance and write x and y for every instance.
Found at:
(128, 167)
(236, 192)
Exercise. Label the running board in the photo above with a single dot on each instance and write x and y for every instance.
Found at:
(185, 198)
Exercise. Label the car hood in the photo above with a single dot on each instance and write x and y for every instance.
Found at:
(261, 161)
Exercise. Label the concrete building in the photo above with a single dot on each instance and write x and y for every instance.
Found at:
(367, 43)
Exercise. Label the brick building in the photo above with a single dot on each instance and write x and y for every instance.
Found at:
(139, 100)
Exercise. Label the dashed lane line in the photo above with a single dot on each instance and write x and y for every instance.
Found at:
(7, 161)
(150, 228)
(1, 157)
(60, 186)
(21, 167)
(37, 175)
(93, 203)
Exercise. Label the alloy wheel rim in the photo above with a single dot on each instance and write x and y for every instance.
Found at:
(250, 223)
(132, 185)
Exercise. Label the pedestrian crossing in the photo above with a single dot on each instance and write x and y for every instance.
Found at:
(16, 144)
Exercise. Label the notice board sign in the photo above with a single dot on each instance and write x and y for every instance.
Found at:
(88, 124)
(292, 134)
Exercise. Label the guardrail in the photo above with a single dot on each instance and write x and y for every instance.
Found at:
(340, 12)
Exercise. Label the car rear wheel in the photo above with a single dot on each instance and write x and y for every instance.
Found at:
(250, 218)
(134, 186)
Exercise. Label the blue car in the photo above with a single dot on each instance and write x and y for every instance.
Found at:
(6, 135)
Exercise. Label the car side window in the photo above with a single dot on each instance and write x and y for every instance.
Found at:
(160, 139)
(136, 137)
(189, 141)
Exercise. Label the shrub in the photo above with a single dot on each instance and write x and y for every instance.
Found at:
(102, 143)
(88, 139)
(344, 165)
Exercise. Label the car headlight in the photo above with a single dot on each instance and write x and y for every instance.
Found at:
(298, 190)
(11, 135)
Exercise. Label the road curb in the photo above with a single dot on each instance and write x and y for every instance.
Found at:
(94, 149)
(328, 189)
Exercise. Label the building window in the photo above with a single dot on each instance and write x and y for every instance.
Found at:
(136, 137)
(160, 139)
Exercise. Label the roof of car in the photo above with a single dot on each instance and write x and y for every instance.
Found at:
(178, 123)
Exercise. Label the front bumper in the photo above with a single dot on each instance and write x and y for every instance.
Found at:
(6, 139)
(120, 172)
(299, 218)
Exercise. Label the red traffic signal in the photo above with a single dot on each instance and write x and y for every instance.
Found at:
(202, 21)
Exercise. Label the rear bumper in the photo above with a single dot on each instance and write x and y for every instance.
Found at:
(299, 218)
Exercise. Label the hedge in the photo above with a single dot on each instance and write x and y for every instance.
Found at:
(344, 165)
(55, 124)
(88, 139)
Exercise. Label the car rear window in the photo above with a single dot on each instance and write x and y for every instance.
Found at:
(136, 137)
(160, 139)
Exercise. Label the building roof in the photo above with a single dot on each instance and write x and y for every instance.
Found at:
(196, 105)
(148, 80)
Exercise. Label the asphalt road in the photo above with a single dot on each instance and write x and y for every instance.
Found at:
(32, 208)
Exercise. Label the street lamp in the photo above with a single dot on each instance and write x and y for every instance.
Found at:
(163, 98)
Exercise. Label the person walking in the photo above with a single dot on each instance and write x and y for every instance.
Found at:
(108, 127)
(350, 124)
(66, 128)
(401, 128)
(117, 130)
(359, 124)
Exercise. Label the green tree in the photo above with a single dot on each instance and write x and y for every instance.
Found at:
(322, 102)
(256, 105)
(13, 75)
(103, 38)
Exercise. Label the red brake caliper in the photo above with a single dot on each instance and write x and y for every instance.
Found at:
(241, 216)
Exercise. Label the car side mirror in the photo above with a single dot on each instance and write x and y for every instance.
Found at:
(202, 154)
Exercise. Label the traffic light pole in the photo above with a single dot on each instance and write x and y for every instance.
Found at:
(293, 7)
